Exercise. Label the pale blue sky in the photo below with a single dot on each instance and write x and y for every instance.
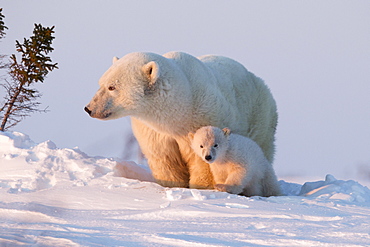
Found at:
(314, 56)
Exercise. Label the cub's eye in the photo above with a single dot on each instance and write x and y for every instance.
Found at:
(201, 146)
(216, 145)
(111, 88)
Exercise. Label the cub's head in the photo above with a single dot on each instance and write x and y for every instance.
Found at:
(129, 86)
(210, 143)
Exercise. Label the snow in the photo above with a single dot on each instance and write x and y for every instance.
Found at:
(63, 197)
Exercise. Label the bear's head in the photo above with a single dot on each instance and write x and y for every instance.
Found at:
(136, 84)
(210, 143)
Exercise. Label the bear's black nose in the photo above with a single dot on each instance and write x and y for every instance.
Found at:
(87, 110)
(208, 157)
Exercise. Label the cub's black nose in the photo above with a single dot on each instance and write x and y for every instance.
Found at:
(208, 157)
(87, 110)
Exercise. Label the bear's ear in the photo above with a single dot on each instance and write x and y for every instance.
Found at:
(152, 72)
(226, 131)
(191, 136)
(115, 59)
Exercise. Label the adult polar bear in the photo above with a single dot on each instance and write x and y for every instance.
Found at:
(171, 95)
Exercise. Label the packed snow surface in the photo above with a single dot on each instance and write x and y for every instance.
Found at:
(62, 197)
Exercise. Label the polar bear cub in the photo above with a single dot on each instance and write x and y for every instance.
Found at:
(237, 163)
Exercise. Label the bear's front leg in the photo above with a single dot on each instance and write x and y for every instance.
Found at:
(169, 171)
(163, 154)
(200, 174)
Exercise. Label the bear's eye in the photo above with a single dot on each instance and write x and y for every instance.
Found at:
(216, 145)
(111, 88)
(201, 146)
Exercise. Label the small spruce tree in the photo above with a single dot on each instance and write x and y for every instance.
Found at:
(20, 98)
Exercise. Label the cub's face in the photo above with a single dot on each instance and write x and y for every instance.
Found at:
(209, 143)
(125, 89)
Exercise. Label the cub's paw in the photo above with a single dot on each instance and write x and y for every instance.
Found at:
(232, 189)
(222, 187)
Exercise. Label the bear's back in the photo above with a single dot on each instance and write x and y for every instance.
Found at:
(231, 96)
(192, 67)
(229, 83)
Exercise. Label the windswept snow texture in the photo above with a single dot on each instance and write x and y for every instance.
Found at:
(62, 197)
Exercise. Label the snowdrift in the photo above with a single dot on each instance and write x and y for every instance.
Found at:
(63, 197)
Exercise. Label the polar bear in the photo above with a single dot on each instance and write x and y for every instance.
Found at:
(237, 163)
(171, 95)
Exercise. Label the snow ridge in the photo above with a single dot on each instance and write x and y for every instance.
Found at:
(63, 197)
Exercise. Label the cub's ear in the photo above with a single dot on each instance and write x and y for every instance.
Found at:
(226, 131)
(115, 59)
(191, 136)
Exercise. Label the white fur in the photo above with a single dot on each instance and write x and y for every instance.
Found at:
(171, 95)
(237, 163)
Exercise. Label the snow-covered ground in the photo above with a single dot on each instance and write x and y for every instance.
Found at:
(62, 197)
